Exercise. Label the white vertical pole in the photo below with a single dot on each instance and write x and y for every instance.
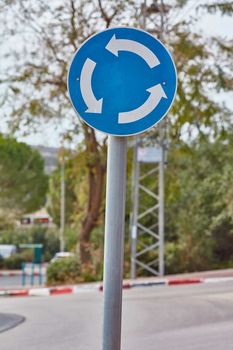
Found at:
(62, 207)
(114, 241)
(135, 201)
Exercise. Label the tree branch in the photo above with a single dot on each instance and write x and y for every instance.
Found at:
(107, 19)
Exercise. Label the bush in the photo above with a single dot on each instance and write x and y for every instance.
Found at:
(64, 271)
(47, 237)
(1, 262)
(70, 239)
(14, 262)
(89, 274)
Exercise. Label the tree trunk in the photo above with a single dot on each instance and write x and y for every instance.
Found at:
(96, 174)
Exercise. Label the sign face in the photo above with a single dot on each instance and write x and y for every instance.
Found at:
(122, 81)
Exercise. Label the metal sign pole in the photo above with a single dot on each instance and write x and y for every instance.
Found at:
(95, 103)
(114, 241)
(161, 204)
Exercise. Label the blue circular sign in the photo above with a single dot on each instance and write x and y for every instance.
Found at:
(122, 81)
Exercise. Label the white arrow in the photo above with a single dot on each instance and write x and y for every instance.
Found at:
(156, 94)
(93, 105)
(115, 45)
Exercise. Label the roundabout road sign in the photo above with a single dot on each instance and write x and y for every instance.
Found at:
(122, 81)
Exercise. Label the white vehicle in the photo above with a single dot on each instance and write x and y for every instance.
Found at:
(62, 255)
(6, 250)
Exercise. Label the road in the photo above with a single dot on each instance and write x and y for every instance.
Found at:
(197, 317)
(8, 321)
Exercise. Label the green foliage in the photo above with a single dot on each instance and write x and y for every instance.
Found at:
(47, 237)
(199, 225)
(23, 184)
(64, 271)
(88, 275)
(1, 262)
(14, 262)
(70, 238)
(224, 7)
(76, 181)
(54, 191)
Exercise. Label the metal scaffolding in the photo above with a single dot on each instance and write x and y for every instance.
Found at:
(147, 216)
(147, 219)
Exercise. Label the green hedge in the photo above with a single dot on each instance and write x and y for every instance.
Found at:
(14, 262)
(47, 237)
(64, 271)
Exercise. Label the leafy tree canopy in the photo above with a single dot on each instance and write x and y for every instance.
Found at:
(23, 183)
(199, 205)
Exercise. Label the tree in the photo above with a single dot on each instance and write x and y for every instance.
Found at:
(69, 25)
(199, 206)
(23, 183)
(35, 81)
(54, 192)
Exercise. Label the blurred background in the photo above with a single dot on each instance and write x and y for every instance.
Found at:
(53, 167)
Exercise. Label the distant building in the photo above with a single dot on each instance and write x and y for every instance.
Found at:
(50, 156)
(40, 217)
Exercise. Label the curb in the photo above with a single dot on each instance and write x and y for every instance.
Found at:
(181, 281)
(50, 291)
(175, 282)
(167, 282)
(87, 288)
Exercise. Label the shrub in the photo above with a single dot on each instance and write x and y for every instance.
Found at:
(64, 271)
(14, 262)
(70, 238)
(1, 262)
(89, 274)
(47, 237)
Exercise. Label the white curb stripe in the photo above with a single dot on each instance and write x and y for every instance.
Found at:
(217, 279)
(39, 292)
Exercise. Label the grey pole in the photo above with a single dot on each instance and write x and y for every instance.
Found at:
(114, 241)
(161, 203)
(62, 206)
(135, 201)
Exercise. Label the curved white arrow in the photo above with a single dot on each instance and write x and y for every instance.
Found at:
(156, 94)
(93, 105)
(115, 45)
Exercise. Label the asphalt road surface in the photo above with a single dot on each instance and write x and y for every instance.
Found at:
(197, 317)
(8, 321)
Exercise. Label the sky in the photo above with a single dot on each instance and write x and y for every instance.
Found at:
(50, 133)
